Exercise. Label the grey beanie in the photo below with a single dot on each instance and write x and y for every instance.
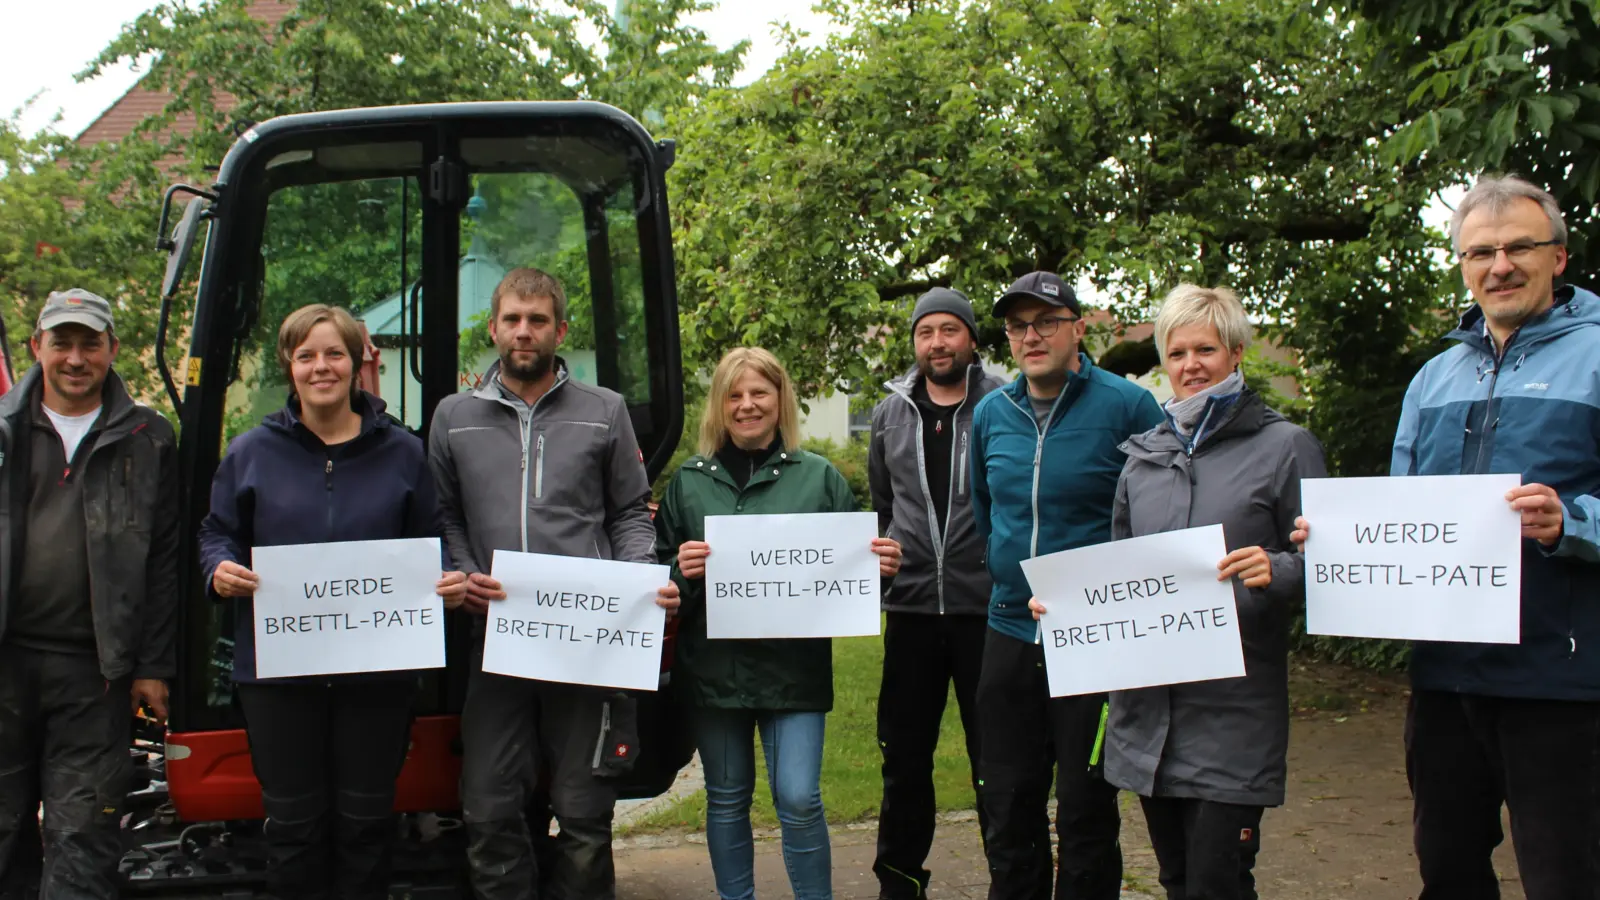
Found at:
(945, 300)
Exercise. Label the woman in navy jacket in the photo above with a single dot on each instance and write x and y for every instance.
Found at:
(329, 466)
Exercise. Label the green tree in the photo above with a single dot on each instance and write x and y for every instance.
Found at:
(80, 217)
(1134, 143)
(1507, 85)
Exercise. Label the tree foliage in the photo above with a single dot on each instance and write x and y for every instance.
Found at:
(1509, 85)
(72, 216)
(1132, 143)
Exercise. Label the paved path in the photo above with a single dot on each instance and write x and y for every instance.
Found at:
(1343, 834)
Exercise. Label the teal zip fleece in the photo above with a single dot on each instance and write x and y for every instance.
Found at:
(1041, 489)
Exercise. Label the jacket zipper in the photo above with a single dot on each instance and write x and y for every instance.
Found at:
(327, 471)
(1488, 406)
(538, 470)
(526, 425)
(927, 497)
(1038, 456)
(961, 472)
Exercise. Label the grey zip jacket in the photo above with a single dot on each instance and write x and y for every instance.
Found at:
(941, 570)
(131, 501)
(564, 476)
(1223, 740)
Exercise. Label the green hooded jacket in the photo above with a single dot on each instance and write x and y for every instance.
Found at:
(776, 674)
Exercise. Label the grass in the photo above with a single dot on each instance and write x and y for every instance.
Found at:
(852, 779)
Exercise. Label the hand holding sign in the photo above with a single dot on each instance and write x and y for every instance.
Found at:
(1251, 564)
(1541, 511)
(233, 580)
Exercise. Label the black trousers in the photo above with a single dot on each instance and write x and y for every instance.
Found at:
(1466, 755)
(65, 733)
(922, 654)
(512, 731)
(1026, 733)
(327, 756)
(1206, 850)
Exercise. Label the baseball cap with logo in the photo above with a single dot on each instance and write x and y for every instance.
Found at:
(1045, 286)
(75, 307)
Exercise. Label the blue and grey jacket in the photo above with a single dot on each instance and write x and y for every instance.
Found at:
(1038, 489)
(1534, 411)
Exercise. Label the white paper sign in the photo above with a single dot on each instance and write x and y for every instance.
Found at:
(576, 620)
(351, 606)
(792, 576)
(1424, 557)
(1135, 613)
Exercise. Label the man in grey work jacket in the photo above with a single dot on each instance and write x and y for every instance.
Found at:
(938, 606)
(88, 600)
(535, 462)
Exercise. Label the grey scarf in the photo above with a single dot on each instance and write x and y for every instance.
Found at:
(1185, 414)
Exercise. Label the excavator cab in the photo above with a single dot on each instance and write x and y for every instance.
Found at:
(408, 217)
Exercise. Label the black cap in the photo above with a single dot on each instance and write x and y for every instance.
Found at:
(1046, 287)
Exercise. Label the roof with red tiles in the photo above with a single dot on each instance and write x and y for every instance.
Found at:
(132, 108)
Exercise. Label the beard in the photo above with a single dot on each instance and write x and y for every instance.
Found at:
(957, 373)
(538, 368)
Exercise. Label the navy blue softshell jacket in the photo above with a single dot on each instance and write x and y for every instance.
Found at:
(280, 484)
(1533, 411)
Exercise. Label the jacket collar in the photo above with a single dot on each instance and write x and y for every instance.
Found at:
(491, 388)
(1245, 416)
(116, 405)
(907, 383)
(1017, 390)
(711, 467)
(1572, 308)
(373, 422)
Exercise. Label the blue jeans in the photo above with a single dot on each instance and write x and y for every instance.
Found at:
(792, 743)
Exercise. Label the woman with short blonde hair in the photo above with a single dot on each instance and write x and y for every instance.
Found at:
(749, 464)
(1206, 758)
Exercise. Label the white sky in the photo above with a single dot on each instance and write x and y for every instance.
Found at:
(42, 45)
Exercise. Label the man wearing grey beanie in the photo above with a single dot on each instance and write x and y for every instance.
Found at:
(937, 607)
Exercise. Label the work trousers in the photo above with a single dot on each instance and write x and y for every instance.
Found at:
(922, 655)
(1026, 733)
(512, 730)
(1466, 755)
(1206, 850)
(327, 756)
(65, 734)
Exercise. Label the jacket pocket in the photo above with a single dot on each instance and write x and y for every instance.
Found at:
(538, 469)
(617, 744)
(961, 468)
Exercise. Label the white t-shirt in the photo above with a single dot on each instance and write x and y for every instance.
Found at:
(72, 429)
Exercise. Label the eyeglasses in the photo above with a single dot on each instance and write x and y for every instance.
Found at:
(1516, 251)
(1044, 326)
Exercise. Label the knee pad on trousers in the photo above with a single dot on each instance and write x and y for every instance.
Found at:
(358, 805)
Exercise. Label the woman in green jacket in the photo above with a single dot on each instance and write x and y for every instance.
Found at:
(749, 464)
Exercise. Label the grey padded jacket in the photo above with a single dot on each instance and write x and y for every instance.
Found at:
(940, 572)
(1223, 740)
(564, 476)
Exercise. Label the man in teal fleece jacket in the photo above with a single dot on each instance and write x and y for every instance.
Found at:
(1045, 462)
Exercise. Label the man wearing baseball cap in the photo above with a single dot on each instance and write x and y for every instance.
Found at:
(936, 609)
(1045, 462)
(88, 600)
